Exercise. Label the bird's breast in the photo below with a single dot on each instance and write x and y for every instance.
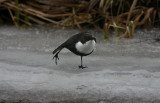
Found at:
(85, 48)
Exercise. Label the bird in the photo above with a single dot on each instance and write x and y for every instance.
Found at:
(81, 44)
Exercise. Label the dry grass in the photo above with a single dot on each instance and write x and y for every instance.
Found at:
(121, 15)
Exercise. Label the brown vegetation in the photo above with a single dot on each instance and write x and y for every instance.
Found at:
(121, 15)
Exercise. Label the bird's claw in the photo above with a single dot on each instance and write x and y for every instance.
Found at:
(82, 67)
(56, 58)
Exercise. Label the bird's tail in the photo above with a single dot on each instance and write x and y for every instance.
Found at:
(56, 52)
(58, 49)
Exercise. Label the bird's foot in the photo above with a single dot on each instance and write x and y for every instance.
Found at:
(56, 58)
(82, 67)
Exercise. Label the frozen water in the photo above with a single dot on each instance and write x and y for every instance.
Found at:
(119, 71)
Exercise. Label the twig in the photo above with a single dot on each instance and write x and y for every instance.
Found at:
(25, 22)
(13, 18)
(2, 1)
(130, 11)
(29, 11)
(34, 19)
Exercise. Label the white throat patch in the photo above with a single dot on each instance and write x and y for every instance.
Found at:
(87, 47)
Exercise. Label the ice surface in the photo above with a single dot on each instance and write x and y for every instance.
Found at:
(119, 71)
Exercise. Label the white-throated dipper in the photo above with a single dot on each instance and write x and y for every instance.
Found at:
(81, 44)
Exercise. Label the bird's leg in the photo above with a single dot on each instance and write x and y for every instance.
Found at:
(81, 66)
(56, 58)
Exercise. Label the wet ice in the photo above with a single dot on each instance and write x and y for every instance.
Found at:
(122, 71)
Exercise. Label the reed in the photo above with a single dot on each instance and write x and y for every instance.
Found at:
(119, 15)
(17, 13)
